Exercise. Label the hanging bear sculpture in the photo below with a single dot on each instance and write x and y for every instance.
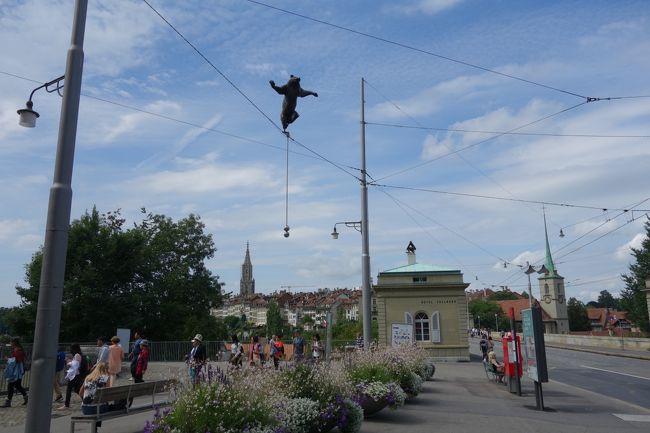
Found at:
(291, 91)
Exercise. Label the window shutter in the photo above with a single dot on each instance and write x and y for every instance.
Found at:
(408, 319)
(435, 327)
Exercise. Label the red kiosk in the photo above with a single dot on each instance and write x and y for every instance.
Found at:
(513, 369)
(509, 356)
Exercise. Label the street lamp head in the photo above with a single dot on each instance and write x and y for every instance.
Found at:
(28, 116)
(335, 234)
(286, 231)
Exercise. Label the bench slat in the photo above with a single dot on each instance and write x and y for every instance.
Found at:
(105, 395)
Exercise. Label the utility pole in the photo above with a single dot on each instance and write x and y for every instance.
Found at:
(365, 253)
(55, 245)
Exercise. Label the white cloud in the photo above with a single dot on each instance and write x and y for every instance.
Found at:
(264, 69)
(594, 227)
(209, 178)
(425, 6)
(624, 252)
(9, 228)
(129, 122)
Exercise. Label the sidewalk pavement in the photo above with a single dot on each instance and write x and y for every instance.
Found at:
(460, 399)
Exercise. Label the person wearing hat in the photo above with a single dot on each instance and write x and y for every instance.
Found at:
(143, 361)
(196, 359)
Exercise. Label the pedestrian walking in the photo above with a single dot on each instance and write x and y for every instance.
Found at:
(76, 374)
(257, 352)
(277, 350)
(316, 348)
(196, 359)
(236, 352)
(135, 351)
(115, 357)
(143, 362)
(298, 347)
(14, 372)
(102, 350)
(58, 373)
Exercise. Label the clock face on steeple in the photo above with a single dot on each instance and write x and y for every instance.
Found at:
(547, 299)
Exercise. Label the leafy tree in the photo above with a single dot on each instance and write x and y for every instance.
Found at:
(485, 309)
(346, 329)
(4, 322)
(275, 324)
(502, 295)
(578, 319)
(633, 299)
(607, 300)
(149, 277)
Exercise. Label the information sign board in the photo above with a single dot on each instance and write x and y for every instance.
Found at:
(402, 334)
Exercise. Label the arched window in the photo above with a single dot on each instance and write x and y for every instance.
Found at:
(546, 288)
(422, 327)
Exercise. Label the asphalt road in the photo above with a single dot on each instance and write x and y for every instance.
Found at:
(625, 379)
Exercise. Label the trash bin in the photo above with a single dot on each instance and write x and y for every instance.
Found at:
(509, 359)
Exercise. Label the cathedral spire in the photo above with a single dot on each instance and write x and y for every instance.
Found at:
(549, 260)
(247, 282)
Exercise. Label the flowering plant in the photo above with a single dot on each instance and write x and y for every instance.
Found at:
(350, 417)
(298, 415)
(412, 384)
(391, 392)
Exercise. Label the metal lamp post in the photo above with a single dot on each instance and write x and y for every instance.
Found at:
(365, 243)
(496, 321)
(48, 315)
(364, 229)
(530, 270)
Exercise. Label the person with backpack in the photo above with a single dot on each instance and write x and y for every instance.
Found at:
(135, 351)
(14, 372)
(78, 368)
(58, 370)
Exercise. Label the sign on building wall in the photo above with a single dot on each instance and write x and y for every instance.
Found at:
(402, 334)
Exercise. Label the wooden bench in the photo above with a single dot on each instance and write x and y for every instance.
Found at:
(124, 393)
(491, 374)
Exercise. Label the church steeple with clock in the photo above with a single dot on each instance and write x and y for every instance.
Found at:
(553, 295)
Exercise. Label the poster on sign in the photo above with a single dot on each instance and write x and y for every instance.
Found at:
(402, 334)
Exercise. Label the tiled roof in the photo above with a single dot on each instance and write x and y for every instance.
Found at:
(518, 305)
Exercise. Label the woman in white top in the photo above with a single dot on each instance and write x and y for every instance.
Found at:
(316, 349)
(75, 374)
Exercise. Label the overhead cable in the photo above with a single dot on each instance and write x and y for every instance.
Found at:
(534, 134)
(480, 142)
(548, 203)
(419, 50)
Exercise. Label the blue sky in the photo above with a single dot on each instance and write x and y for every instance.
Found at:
(129, 159)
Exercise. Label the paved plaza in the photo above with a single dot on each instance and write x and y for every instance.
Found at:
(459, 399)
